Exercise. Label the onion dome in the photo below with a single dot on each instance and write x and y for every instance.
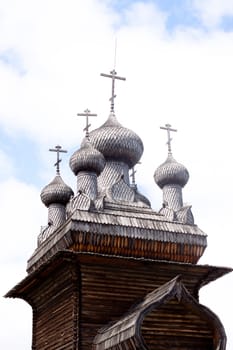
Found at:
(171, 173)
(56, 192)
(87, 158)
(116, 142)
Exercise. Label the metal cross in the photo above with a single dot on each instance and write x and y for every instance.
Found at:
(169, 129)
(113, 75)
(87, 113)
(58, 149)
(133, 176)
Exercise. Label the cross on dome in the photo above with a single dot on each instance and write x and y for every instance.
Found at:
(132, 175)
(58, 149)
(113, 75)
(169, 129)
(87, 113)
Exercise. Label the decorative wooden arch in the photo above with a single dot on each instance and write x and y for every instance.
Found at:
(127, 332)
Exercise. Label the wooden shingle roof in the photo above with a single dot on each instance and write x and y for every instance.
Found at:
(125, 231)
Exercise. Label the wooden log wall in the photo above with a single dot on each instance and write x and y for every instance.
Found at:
(174, 326)
(109, 291)
(75, 295)
(55, 310)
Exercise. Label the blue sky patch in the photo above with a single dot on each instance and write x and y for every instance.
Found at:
(180, 13)
(227, 23)
(12, 59)
(24, 156)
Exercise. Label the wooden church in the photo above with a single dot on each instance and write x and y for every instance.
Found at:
(109, 272)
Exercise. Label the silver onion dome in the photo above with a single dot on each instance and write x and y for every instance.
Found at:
(171, 173)
(116, 142)
(87, 158)
(56, 192)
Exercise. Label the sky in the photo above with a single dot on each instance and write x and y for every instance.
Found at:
(177, 59)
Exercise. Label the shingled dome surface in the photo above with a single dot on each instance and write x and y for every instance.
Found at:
(116, 142)
(171, 173)
(87, 158)
(56, 192)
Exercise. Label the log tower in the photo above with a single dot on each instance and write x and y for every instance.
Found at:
(109, 272)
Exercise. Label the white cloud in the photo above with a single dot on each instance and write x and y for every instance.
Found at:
(21, 217)
(140, 15)
(21, 213)
(54, 46)
(212, 11)
(6, 165)
(16, 314)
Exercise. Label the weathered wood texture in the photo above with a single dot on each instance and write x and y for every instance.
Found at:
(55, 310)
(129, 232)
(136, 247)
(168, 316)
(110, 291)
(74, 295)
(174, 326)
